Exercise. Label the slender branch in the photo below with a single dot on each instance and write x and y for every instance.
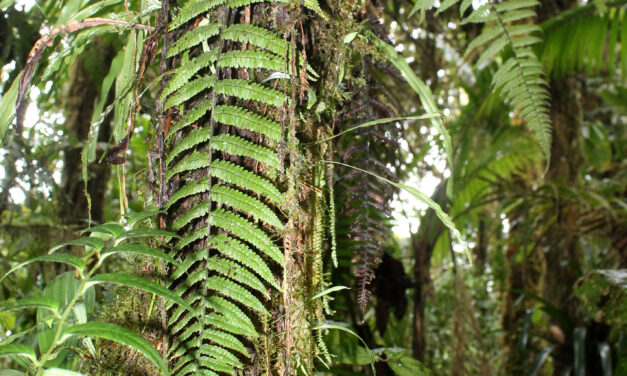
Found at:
(45, 41)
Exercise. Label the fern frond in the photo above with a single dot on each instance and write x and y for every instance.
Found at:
(222, 210)
(250, 91)
(244, 229)
(246, 204)
(186, 92)
(235, 292)
(233, 312)
(195, 212)
(194, 38)
(218, 337)
(520, 78)
(257, 36)
(251, 59)
(228, 325)
(216, 365)
(236, 250)
(236, 272)
(194, 161)
(237, 175)
(188, 69)
(604, 34)
(238, 146)
(190, 117)
(241, 118)
(193, 9)
(195, 137)
(220, 353)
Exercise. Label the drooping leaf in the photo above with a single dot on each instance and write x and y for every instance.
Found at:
(118, 334)
(130, 280)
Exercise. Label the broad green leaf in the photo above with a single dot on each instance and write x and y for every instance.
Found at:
(62, 289)
(118, 334)
(63, 258)
(94, 8)
(404, 364)
(91, 242)
(137, 282)
(68, 10)
(138, 249)
(350, 37)
(6, 3)
(11, 372)
(328, 291)
(136, 217)
(31, 302)
(148, 232)
(18, 350)
(114, 229)
(7, 107)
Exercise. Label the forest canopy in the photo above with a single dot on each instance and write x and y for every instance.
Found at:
(317, 187)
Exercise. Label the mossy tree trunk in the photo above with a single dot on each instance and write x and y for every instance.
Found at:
(285, 342)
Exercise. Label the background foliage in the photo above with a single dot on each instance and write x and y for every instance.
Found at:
(426, 134)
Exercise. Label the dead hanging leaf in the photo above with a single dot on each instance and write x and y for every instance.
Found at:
(45, 41)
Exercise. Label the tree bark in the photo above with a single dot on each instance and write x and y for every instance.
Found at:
(423, 243)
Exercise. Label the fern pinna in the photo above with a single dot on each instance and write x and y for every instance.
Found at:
(366, 198)
(225, 104)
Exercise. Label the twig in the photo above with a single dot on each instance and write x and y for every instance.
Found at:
(45, 41)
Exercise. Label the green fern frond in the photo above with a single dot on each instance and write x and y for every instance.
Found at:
(241, 118)
(191, 162)
(188, 69)
(194, 38)
(237, 175)
(199, 186)
(193, 9)
(195, 137)
(190, 117)
(216, 365)
(226, 324)
(235, 292)
(228, 247)
(227, 221)
(236, 250)
(562, 51)
(313, 5)
(233, 312)
(245, 204)
(220, 353)
(257, 36)
(188, 91)
(221, 338)
(247, 90)
(244, 229)
(251, 59)
(194, 213)
(236, 145)
(520, 78)
(236, 272)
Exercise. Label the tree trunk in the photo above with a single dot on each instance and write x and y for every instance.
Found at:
(281, 233)
(84, 87)
(423, 243)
